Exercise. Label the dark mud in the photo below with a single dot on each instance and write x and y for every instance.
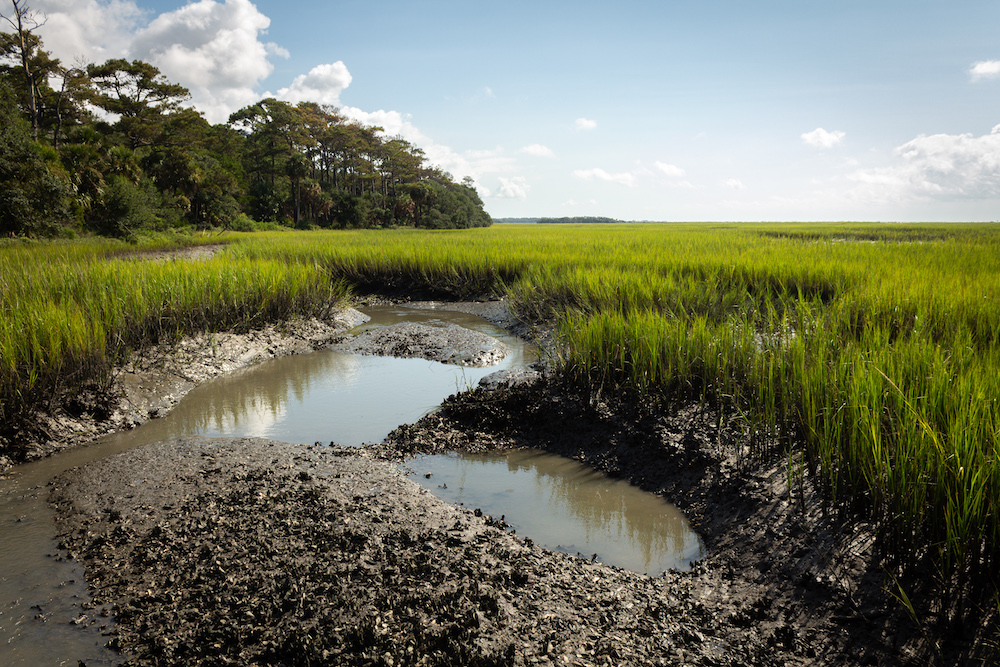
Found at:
(449, 344)
(253, 552)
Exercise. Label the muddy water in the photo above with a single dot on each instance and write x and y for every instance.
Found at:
(320, 397)
(564, 505)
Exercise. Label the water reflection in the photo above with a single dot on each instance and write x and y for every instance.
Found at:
(350, 399)
(562, 504)
(329, 396)
(326, 395)
(323, 396)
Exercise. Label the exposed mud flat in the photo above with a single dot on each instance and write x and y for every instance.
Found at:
(247, 551)
(253, 552)
(449, 344)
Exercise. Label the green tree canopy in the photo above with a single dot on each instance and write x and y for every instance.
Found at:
(138, 94)
(146, 161)
(34, 199)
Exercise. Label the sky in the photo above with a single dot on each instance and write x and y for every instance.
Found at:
(635, 110)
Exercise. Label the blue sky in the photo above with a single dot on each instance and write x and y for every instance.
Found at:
(634, 110)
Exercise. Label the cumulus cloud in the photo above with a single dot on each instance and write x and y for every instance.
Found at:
(393, 123)
(323, 84)
(940, 166)
(214, 49)
(820, 138)
(513, 188)
(734, 184)
(669, 169)
(88, 30)
(538, 150)
(599, 174)
(985, 69)
(585, 124)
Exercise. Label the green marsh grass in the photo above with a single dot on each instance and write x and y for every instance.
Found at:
(70, 312)
(872, 349)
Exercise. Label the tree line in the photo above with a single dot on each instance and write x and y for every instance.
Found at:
(110, 148)
(578, 220)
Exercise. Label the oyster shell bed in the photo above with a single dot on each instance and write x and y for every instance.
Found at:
(450, 344)
(247, 551)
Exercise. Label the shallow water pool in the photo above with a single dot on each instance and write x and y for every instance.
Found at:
(324, 397)
(564, 505)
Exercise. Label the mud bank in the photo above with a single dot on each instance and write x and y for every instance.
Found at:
(449, 345)
(154, 380)
(253, 552)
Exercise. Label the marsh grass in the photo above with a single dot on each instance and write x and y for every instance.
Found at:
(70, 313)
(878, 357)
(872, 350)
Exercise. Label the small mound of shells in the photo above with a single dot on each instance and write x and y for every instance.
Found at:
(451, 344)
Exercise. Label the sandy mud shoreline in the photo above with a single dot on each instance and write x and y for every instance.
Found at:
(246, 551)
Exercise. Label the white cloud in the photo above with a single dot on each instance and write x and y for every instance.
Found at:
(393, 122)
(513, 188)
(585, 124)
(88, 30)
(669, 169)
(940, 166)
(599, 174)
(538, 150)
(214, 49)
(985, 69)
(820, 138)
(474, 163)
(323, 85)
(734, 184)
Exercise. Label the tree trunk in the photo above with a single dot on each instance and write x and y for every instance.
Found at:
(20, 14)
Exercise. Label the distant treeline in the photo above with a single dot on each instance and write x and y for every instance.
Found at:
(112, 149)
(584, 219)
(521, 221)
